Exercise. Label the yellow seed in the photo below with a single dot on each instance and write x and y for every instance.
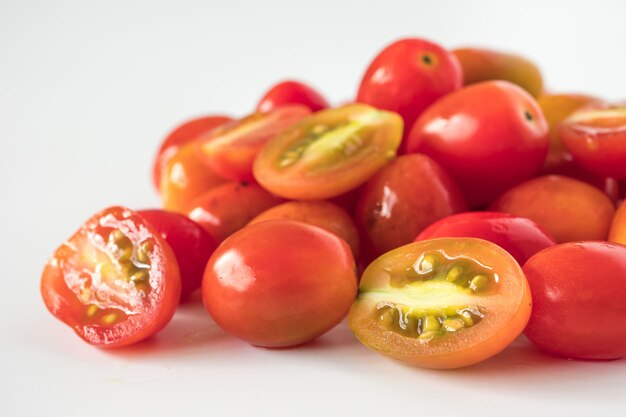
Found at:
(430, 324)
(479, 282)
(426, 265)
(116, 236)
(140, 275)
(454, 273)
(467, 318)
(319, 129)
(428, 335)
(453, 324)
(110, 318)
(92, 310)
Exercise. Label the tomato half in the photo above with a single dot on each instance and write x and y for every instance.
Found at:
(329, 153)
(115, 281)
(280, 283)
(617, 233)
(441, 303)
(292, 92)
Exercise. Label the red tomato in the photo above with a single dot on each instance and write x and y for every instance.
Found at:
(192, 246)
(579, 300)
(280, 283)
(408, 76)
(617, 233)
(488, 136)
(520, 237)
(400, 200)
(115, 281)
(441, 303)
(291, 92)
(231, 149)
(183, 134)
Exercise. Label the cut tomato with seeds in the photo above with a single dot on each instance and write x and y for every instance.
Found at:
(441, 303)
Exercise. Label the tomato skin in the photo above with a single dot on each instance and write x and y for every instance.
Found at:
(191, 244)
(67, 282)
(400, 200)
(291, 92)
(579, 296)
(408, 76)
(280, 283)
(520, 237)
(617, 233)
(568, 209)
(183, 134)
(482, 130)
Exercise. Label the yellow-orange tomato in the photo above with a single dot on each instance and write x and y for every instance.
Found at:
(617, 233)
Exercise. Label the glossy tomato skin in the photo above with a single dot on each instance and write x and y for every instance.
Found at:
(183, 134)
(488, 136)
(579, 296)
(113, 293)
(191, 244)
(408, 76)
(568, 209)
(292, 92)
(520, 237)
(402, 199)
(280, 283)
(617, 233)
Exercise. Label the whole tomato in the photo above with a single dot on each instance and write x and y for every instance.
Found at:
(291, 92)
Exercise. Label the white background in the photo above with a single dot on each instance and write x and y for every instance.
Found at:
(87, 91)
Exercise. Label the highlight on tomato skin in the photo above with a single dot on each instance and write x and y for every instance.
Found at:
(292, 92)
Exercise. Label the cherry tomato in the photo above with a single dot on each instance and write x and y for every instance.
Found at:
(115, 281)
(186, 177)
(566, 208)
(329, 153)
(488, 136)
(185, 133)
(441, 303)
(280, 283)
(408, 76)
(400, 200)
(520, 237)
(231, 149)
(596, 138)
(317, 213)
(227, 208)
(579, 300)
(192, 246)
(617, 233)
(292, 92)
(486, 64)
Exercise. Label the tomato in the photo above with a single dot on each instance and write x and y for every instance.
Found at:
(317, 213)
(186, 177)
(596, 138)
(115, 281)
(291, 92)
(566, 208)
(329, 153)
(183, 134)
(617, 232)
(486, 64)
(408, 76)
(520, 237)
(488, 136)
(280, 283)
(192, 246)
(579, 300)
(227, 208)
(231, 149)
(441, 303)
(400, 200)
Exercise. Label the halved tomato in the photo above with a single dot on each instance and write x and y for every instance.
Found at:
(441, 303)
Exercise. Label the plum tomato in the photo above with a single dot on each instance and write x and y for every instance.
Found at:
(617, 233)
(185, 133)
(596, 138)
(291, 92)
(408, 76)
(329, 153)
(186, 177)
(227, 208)
(566, 208)
(520, 237)
(115, 281)
(317, 213)
(488, 136)
(574, 286)
(280, 283)
(400, 200)
(191, 244)
(481, 64)
(231, 149)
(441, 303)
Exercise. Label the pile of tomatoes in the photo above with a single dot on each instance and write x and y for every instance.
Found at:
(452, 206)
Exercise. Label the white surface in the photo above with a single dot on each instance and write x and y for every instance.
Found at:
(86, 93)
